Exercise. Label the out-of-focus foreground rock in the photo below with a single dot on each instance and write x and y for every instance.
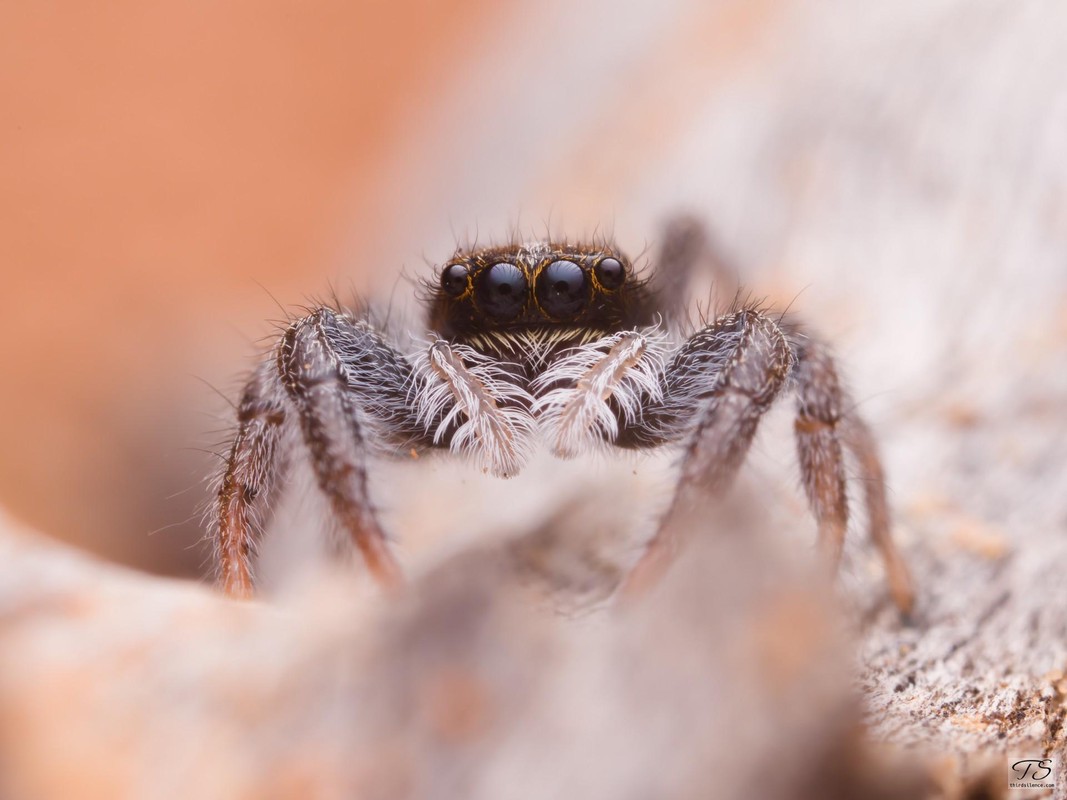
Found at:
(729, 680)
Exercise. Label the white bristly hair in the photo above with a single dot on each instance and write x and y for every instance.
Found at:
(497, 426)
(627, 367)
(535, 346)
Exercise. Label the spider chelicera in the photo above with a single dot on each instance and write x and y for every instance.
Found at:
(561, 342)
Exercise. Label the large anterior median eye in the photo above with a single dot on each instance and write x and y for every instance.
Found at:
(502, 291)
(562, 289)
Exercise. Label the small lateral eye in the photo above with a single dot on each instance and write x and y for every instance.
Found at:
(562, 289)
(454, 279)
(610, 273)
(502, 291)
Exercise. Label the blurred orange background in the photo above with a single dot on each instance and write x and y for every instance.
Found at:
(159, 162)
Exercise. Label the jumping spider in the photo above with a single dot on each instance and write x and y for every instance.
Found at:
(559, 339)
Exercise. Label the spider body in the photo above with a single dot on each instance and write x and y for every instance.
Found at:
(553, 341)
(538, 286)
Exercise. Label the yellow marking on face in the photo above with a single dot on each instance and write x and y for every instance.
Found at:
(533, 283)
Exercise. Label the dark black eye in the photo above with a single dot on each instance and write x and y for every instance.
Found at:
(502, 291)
(562, 288)
(454, 279)
(610, 273)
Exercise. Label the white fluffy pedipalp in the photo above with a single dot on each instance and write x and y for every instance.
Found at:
(497, 428)
(576, 416)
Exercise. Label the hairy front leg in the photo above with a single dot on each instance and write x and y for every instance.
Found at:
(716, 389)
(249, 477)
(335, 371)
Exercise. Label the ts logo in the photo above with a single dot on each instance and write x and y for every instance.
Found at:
(1033, 769)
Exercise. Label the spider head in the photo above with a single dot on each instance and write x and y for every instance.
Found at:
(535, 285)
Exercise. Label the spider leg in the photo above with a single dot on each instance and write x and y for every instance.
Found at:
(818, 440)
(249, 476)
(716, 389)
(349, 389)
(731, 372)
(686, 246)
(825, 424)
(349, 392)
(859, 440)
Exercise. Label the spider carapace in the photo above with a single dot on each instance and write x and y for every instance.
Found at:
(558, 343)
(539, 285)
